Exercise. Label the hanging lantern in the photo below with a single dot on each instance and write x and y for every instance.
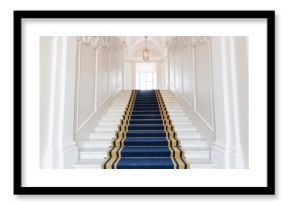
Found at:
(146, 51)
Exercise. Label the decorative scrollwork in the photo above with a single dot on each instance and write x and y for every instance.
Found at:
(202, 40)
(187, 41)
(97, 42)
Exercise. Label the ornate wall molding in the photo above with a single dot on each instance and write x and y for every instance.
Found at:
(187, 41)
(97, 42)
(201, 40)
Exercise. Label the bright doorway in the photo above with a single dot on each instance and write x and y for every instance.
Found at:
(145, 76)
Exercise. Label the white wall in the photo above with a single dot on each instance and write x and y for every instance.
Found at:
(104, 77)
(209, 76)
(99, 78)
(181, 69)
(127, 75)
(203, 83)
(161, 75)
(187, 74)
(86, 84)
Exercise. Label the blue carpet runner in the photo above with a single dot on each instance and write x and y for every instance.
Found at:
(145, 138)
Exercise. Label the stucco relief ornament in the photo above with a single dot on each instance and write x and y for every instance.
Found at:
(109, 42)
(188, 41)
(121, 45)
(102, 42)
(194, 41)
(114, 43)
(174, 43)
(87, 40)
(179, 42)
(202, 39)
(95, 42)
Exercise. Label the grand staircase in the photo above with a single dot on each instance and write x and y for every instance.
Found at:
(153, 133)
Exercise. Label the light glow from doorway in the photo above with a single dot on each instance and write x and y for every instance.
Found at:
(145, 76)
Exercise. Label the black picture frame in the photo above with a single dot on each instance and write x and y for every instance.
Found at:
(268, 190)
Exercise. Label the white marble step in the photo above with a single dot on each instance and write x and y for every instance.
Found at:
(118, 100)
(116, 110)
(116, 104)
(117, 122)
(95, 153)
(170, 100)
(123, 107)
(101, 152)
(102, 142)
(110, 122)
(116, 113)
(124, 93)
(181, 129)
(178, 128)
(101, 134)
(171, 104)
(188, 135)
(125, 103)
(170, 111)
(182, 122)
(111, 116)
(175, 110)
(111, 134)
(168, 97)
(175, 118)
(120, 113)
(195, 163)
(107, 128)
(122, 97)
(106, 142)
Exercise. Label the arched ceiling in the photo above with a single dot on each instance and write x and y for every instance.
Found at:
(136, 44)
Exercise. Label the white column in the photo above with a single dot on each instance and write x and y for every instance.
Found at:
(230, 97)
(48, 46)
(240, 84)
(60, 149)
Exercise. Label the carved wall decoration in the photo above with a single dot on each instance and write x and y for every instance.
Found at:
(187, 41)
(97, 42)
